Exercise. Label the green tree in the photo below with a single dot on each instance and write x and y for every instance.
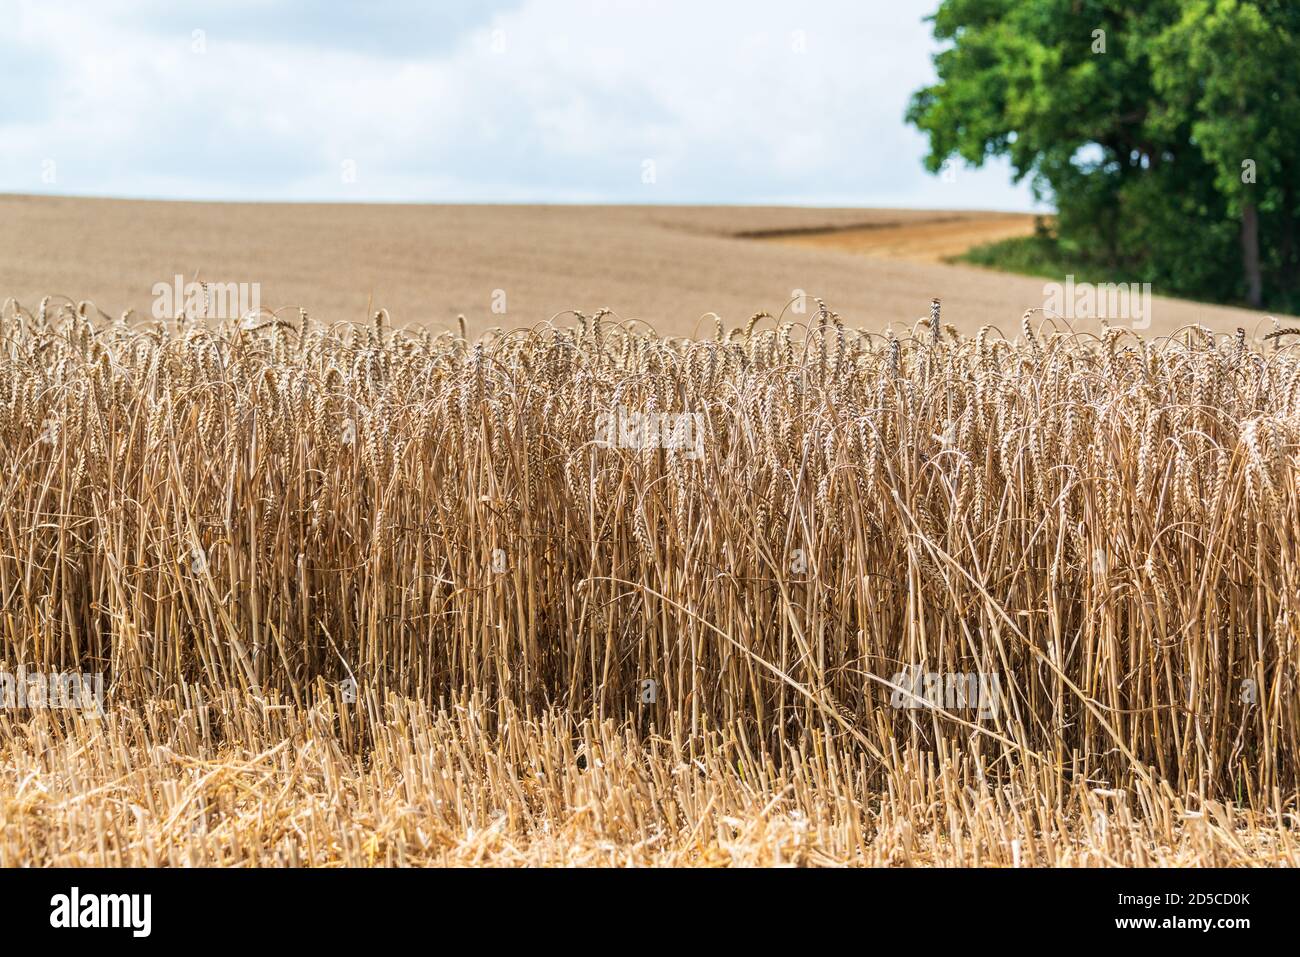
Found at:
(1165, 133)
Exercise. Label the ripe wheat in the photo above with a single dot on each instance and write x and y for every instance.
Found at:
(235, 520)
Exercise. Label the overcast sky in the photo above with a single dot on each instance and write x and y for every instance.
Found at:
(709, 101)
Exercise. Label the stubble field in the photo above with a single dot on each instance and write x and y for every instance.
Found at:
(664, 265)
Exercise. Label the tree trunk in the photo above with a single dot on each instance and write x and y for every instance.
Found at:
(1250, 255)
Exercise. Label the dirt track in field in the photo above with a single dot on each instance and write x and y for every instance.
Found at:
(427, 264)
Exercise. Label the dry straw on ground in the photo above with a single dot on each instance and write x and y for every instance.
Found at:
(233, 522)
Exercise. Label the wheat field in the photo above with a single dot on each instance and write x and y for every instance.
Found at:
(372, 595)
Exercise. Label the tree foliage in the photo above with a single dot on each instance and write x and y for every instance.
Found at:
(1164, 132)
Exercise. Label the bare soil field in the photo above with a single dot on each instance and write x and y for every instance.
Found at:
(426, 264)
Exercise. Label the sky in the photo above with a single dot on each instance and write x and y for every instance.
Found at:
(548, 101)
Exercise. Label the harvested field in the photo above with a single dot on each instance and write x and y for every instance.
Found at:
(666, 265)
(258, 781)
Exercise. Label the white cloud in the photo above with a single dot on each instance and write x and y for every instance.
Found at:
(543, 100)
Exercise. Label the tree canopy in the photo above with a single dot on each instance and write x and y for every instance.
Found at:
(1165, 132)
